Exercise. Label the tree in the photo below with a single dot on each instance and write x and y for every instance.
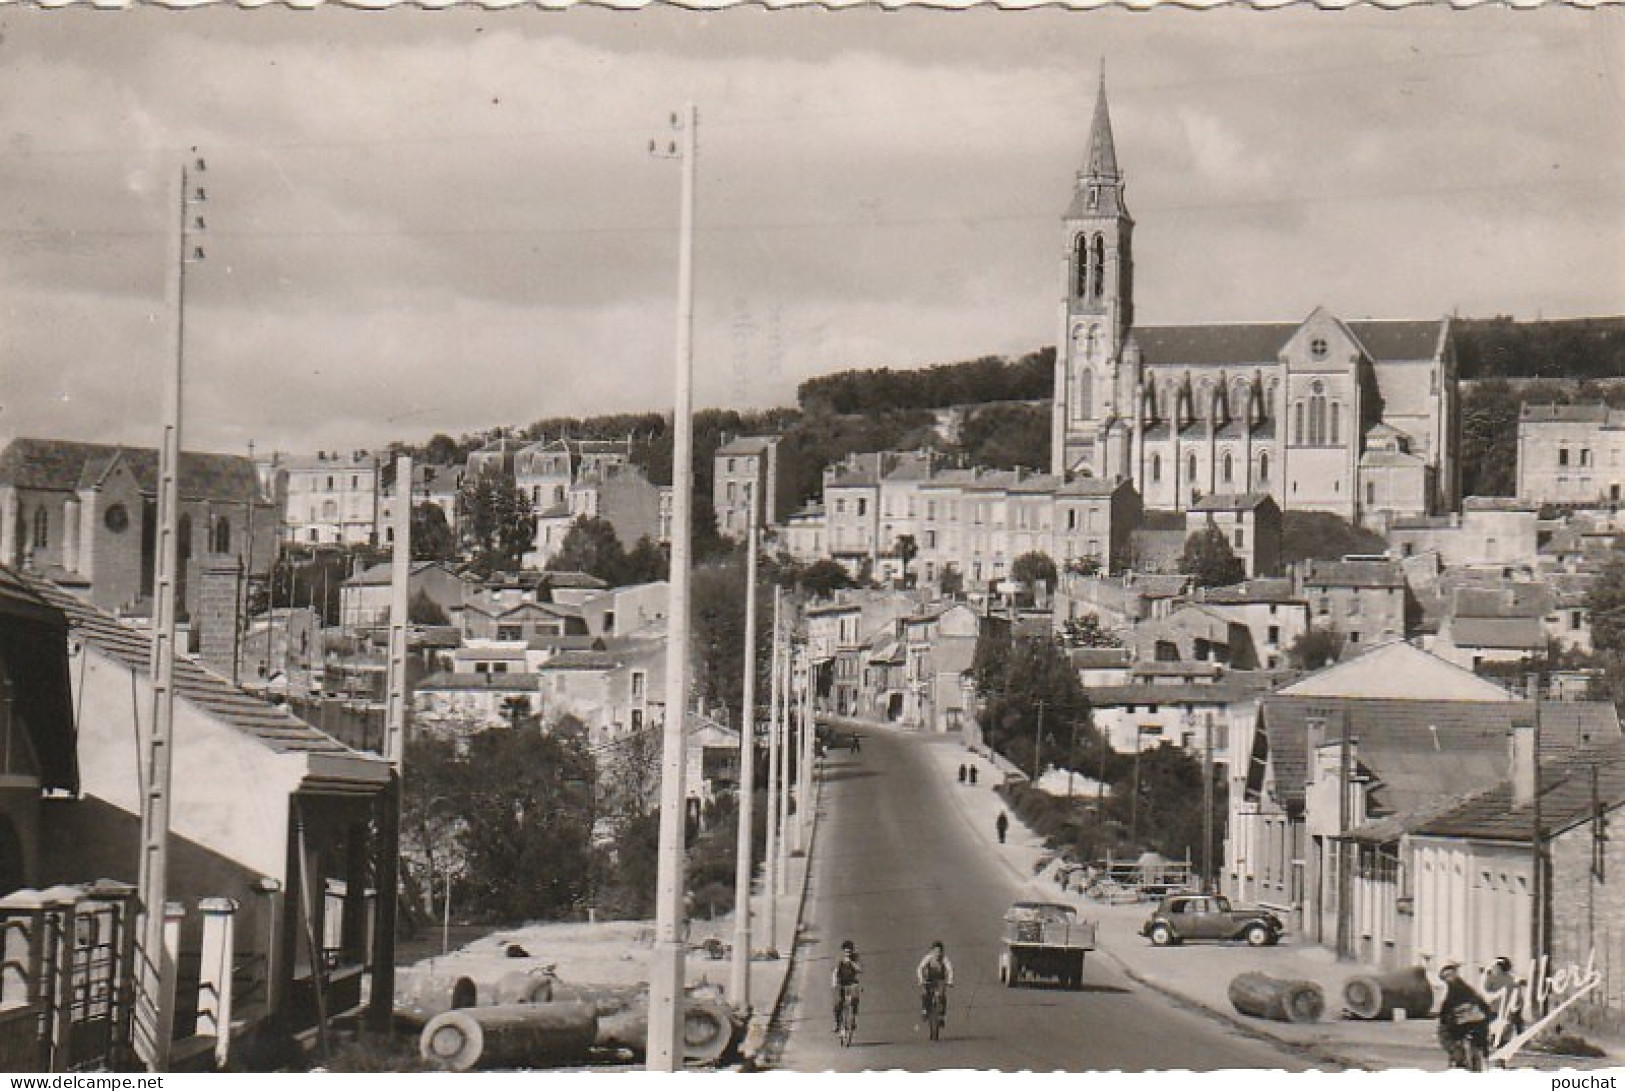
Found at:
(517, 811)
(646, 562)
(1315, 648)
(1020, 678)
(1324, 536)
(432, 537)
(1209, 560)
(1489, 438)
(823, 578)
(591, 546)
(423, 610)
(1034, 570)
(1606, 603)
(717, 611)
(497, 522)
(441, 450)
(906, 550)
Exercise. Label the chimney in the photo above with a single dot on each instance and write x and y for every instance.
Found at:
(218, 619)
(1522, 771)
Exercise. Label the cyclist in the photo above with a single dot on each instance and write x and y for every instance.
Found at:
(1464, 1018)
(934, 974)
(848, 969)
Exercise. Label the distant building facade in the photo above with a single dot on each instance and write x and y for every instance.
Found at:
(1571, 454)
(744, 467)
(332, 499)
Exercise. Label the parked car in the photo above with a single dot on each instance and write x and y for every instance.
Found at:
(1210, 916)
(837, 740)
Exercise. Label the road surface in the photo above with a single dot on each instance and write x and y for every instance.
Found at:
(895, 866)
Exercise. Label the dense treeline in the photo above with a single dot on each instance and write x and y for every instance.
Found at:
(989, 379)
(1569, 348)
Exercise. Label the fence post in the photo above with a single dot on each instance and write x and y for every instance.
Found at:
(215, 977)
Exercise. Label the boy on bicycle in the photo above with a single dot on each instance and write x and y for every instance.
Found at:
(845, 981)
(934, 973)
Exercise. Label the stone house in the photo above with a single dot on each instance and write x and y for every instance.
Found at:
(1365, 599)
(1250, 523)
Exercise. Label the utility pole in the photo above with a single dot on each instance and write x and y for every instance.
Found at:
(666, 977)
(1071, 759)
(1345, 871)
(400, 576)
(1207, 802)
(1537, 845)
(381, 1010)
(1038, 744)
(772, 850)
(783, 871)
(744, 864)
(155, 1014)
(809, 748)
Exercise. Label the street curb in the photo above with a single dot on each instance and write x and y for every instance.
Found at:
(763, 1022)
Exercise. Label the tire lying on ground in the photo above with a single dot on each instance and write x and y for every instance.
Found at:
(509, 1035)
(1378, 996)
(1282, 1000)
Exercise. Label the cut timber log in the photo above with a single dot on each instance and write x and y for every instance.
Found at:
(509, 1035)
(1284, 1001)
(1378, 996)
(421, 995)
(623, 1020)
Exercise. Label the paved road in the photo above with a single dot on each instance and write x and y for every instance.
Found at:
(897, 866)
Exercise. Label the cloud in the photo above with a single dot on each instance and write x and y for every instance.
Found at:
(439, 224)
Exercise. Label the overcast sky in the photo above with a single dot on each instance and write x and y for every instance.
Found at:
(442, 221)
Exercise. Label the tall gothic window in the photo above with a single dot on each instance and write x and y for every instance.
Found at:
(222, 535)
(1156, 467)
(1297, 424)
(1097, 267)
(1263, 467)
(1086, 395)
(1190, 466)
(42, 528)
(1080, 262)
(1317, 416)
(1229, 468)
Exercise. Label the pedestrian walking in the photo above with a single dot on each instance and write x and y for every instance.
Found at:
(1002, 825)
(961, 773)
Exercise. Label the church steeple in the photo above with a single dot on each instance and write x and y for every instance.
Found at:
(1101, 164)
(1093, 392)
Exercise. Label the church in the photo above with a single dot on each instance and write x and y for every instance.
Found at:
(1359, 418)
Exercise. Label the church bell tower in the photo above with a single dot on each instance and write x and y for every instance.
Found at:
(1097, 311)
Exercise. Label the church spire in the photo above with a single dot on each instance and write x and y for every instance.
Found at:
(1101, 163)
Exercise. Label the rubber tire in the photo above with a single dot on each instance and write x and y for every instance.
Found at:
(1257, 935)
(1162, 936)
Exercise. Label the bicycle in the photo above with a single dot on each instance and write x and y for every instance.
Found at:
(847, 1020)
(936, 1007)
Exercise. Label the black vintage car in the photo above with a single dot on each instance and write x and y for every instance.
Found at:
(1184, 917)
